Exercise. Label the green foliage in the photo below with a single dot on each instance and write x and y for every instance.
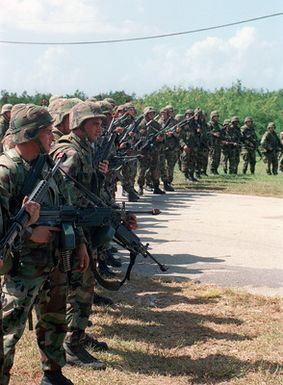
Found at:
(263, 105)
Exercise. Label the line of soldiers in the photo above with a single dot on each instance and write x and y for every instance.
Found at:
(146, 148)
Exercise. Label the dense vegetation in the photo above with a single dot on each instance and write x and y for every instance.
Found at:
(263, 105)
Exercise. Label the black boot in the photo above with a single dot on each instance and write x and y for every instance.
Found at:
(133, 197)
(55, 377)
(167, 186)
(100, 300)
(104, 269)
(111, 260)
(90, 342)
(140, 192)
(157, 190)
(77, 355)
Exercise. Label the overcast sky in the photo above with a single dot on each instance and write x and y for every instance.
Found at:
(251, 52)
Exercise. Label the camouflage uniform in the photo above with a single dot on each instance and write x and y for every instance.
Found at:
(281, 160)
(231, 143)
(150, 160)
(203, 143)
(36, 277)
(189, 147)
(169, 154)
(271, 146)
(4, 121)
(214, 133)
(79, 165)
(249, 145)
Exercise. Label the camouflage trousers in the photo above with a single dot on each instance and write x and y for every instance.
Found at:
(281, 164)
(168, 160)
(47, 292)
(129, 172)
(149, 163)
(271, 160)
(79, 304)
(230, 160)
(188, 162)
(249, 158)
(202, 160)
(215, 156)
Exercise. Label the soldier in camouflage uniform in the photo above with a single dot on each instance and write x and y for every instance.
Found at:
(203, 143)
(231, 142)
(214, 133)
(4, 121)
(170, 151)
(271, 146)
(249, 145)
(86, 126)
(36, 276)
(60, 110)
(189, 147)
(150, 160)
(235, 125)
(281, 155)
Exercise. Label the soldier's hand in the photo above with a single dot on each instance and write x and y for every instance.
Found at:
(103, 166)
(83, 257)
(123, 145)
(43, 234)
(33, 209)
(159, 138)
(186, 148)
(178, 130)
(119, 130)
(142, 131)
(132, 134)
(131, 221)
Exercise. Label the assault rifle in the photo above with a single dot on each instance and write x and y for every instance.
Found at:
(22, 217)
(122, 236)
(133, 128)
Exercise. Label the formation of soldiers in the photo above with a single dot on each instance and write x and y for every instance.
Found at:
(141, 151)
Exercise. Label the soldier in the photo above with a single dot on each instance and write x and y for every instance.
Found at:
(231, 142)
(281, 160)
(203, 143)
(235, 126)
(214, 132)
(86, 126)
(249, 145)
(189, 147)
(271, 146)
(151, 153)
(36, 276)
(169, 153)
(4, 121)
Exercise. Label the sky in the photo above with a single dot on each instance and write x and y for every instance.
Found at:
(250, 52)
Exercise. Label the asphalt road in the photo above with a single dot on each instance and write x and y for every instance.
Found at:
(224, 239)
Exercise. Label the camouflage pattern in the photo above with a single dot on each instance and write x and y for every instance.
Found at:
(188, 157)
(249, 146)
(83, 111)
(214, 133)
(271, 147)
(27, 121)
(35, 268)
(81, 285)
(231, 145)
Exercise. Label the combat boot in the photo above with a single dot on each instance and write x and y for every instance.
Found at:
(140, 192)
(133, 197)
(55, 377)
(92, 343)
(157, 190)
(77, 355)
(112, 261)
(104, 269)
(168, 187)
(101, 300)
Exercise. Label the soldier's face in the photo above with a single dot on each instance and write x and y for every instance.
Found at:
(93, 128)
(46, 138)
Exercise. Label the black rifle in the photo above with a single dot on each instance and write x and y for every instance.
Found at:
(22, 217)
(133, 127)
(122, 235)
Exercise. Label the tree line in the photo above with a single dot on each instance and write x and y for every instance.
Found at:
(264, 106)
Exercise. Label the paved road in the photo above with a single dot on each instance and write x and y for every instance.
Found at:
(224, 239)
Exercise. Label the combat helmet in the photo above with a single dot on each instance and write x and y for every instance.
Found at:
(235, 119)
(147, 110)
(27, 121)
(271, 125)
(6, 108)
(179, 117)
(83, 111)
(62, 108)
(189, 111)
(214, 114)
(105, 106)
(248, 119)
(227, 122)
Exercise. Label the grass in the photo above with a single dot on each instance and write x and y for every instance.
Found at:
(163, 332)
(259, 184)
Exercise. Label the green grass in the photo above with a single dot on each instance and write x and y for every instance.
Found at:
(259, 184)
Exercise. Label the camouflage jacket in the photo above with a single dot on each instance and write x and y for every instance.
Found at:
(171, 142)
(270, 142)
(4, 125)
(249, 138)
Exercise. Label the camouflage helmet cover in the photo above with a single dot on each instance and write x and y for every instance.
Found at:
(179, 117)
(214, 114)
(147, 110)
(106, 107)
(189, 111)
(164, 109)
(83, 111)
(111, 101)
(248, 119)
(6, 108)
(271, 125)
(62, 108)
(235, 119)
(27, 121)
(226, 122)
